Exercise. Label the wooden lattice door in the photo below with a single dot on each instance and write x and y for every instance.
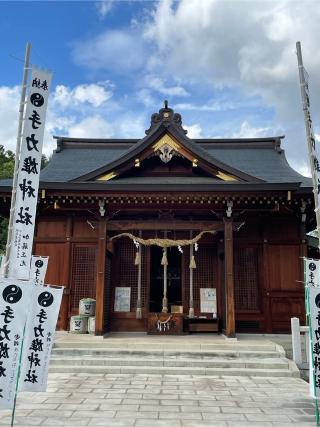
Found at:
(83, 274)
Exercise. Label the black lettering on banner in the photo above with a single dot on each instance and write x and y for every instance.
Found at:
(316, 164)
(8, 314)
(35, 118)
(4, 350)
(4, 333)
(2, 370)
(27, 189)
(38, 331)
(32, 142)
(24, 217)
(36, 83)
(30, 165)
(36, 345)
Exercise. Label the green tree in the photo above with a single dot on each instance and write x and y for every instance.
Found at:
(6, 163)
(6, 171)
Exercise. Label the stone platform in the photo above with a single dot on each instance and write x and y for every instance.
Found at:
(198, 354)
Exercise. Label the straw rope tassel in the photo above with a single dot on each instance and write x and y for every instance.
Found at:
(192, 263)
(138, 263)
(192, 266)
(164, 262)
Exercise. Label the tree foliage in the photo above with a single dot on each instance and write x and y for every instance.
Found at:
(6, 163)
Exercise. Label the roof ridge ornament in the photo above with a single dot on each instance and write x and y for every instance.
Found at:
(167, 117)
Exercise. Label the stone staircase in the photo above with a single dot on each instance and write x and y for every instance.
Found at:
(188, 355)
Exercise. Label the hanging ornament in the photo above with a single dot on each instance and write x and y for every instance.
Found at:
(137, 259)
(196, 247)
(180, 249)
(136, 244)
(192, 263)
(164, 260)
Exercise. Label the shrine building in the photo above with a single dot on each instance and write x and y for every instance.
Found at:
(206, 232)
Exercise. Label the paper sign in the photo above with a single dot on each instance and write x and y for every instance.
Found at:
(39, 334)
(208, 300)
(38, 269)
(122, 299)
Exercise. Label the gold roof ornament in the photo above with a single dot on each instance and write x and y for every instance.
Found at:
(166, 140)
(107, 176)
(225, 176)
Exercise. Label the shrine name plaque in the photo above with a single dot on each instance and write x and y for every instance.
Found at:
(165, 323)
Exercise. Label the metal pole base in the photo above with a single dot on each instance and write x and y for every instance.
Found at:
(165, 305)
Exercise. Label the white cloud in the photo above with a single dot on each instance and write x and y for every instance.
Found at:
(121, 51)
(9, 114)
(302, 167)
(248, 131)
(103, 7)
(245, 45)
(95, 94)
(194, 131)
(91, 127)
(159, 85)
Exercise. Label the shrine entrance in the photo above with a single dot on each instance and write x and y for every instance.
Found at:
(174, 282)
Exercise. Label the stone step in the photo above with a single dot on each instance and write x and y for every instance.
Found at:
(171, 362)
(174, 346)
(111, 352)
(167, 370)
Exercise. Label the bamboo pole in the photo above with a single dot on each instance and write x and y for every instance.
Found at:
(17, 156)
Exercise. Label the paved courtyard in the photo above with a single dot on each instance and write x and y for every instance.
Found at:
(130, 400)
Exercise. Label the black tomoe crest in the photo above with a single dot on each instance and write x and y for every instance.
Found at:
(312, 266)
(38, 263)
(317, 300)
(12, 294)
(45, 299)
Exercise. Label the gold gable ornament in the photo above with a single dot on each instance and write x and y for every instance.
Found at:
(166, 147)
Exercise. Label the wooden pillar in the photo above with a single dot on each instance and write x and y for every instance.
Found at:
(100, 277)
(229, 283)
(67, 282)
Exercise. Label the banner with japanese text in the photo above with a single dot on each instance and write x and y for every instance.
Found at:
(312, 272)
(15, 296)
(38, 340)
(314, 325)
(28, 175)
(38, 269)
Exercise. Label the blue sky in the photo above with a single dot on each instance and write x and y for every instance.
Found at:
(229, 67)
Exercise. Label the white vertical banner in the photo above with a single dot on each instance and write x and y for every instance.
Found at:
(38, 268)
(38, 340)
(28, 175)
(314, 324)
(15, 296)
(312, 272)
(2, 261)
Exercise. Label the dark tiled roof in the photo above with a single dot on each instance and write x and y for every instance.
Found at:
(265, 163)
(70, 163)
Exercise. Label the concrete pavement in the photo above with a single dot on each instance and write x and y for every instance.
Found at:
(131, 400)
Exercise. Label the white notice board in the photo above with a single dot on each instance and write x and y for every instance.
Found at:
(208, 300)
(122, 299)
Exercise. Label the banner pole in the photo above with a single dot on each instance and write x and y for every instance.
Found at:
(18, 378)
(314, 162)
(17, 156)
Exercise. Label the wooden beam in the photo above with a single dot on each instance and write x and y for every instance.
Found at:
(229, 282)
(101, 263)
(164, 225)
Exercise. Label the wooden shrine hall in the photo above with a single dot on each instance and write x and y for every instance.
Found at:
(173, 234)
